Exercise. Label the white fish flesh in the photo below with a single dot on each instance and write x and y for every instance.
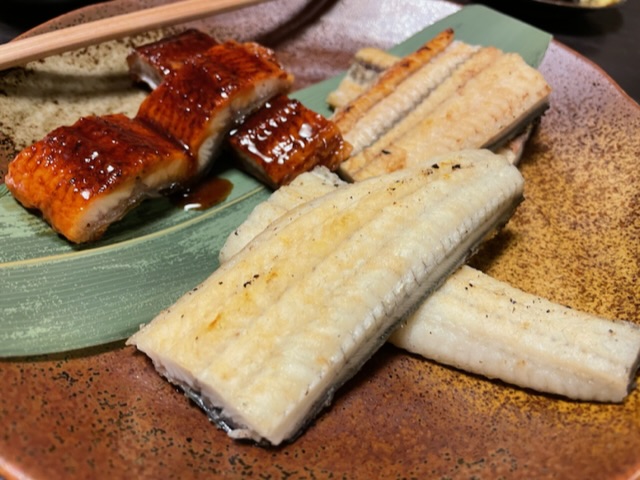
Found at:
(460, 97)
(481, 325)
(266, 340)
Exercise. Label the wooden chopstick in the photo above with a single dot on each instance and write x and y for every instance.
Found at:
(21, 51)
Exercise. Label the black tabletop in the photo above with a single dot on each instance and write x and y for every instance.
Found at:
(609, 37)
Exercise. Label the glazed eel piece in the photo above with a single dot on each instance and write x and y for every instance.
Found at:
(85, 176)
(151, 62)
(275, 143)
(200, 102)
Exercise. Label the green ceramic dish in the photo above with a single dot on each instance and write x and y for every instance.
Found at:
(58, 297)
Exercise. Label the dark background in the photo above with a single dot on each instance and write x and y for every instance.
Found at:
(609, 37)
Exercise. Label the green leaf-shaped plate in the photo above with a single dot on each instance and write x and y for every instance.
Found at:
(55, 296)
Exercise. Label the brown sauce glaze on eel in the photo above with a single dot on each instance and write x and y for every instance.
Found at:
(86, 176)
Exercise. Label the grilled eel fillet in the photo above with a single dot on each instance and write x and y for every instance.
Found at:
(283, 139)
(265, 341)
(484, 326)
(460, 97)
(85, 176)
(200, 102)
(150, 63)
(276, 142)
(519, 343)
(366, 67)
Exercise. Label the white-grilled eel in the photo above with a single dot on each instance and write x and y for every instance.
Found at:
(265, 341)
(367, 65)
(405, 97)
(350, 117)
(463, 97)
(481, 325)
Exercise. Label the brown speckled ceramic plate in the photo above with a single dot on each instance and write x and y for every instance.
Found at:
(105, 413)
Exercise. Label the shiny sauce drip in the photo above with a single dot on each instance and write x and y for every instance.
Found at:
(205, 194)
